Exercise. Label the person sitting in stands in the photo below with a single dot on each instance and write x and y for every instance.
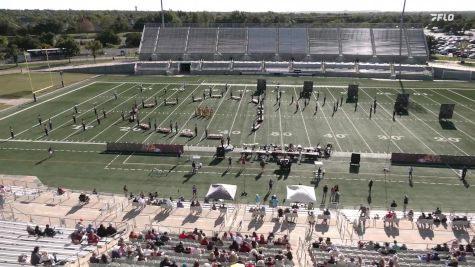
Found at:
(245, 247)
(150, 236)
(179, 204)
(94, 258)
(204, 241)
(164, 237)
(133, 236)
(94, 191)
(234, 246)
(80, 226)
(104, 259)
(92, 238)
(311, 218)
(165, 262)
(111, 230)
(101, 231)
(437, 211)
(90, 228)
(262, 239)
(38, 231)
(76, 237)
(183, 235)
(469, 248)
(179, 248)
(83, 198)
(47, 259)
(60, 191)
(49, 232)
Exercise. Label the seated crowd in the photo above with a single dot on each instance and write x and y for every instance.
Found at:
(228, 249)
(91, 234)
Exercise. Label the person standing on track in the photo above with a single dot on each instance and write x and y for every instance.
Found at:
(194, 190)
(324, 195)
(50, 152)
(370, 186)
(411, 170)
(271, 184)
(39, 120)
(12, 134)
(230, 161)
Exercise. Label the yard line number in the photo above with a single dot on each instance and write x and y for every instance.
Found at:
(392, 137)
(77, 127)
(336, 135)
(449, 139)
(284, 133)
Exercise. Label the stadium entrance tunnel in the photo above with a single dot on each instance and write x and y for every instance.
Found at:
(185, 68)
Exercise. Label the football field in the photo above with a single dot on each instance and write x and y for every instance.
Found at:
(80, 160)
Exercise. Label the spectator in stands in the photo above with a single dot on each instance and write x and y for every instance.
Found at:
(133, 236)
(83, 198)
(94, 258)
(164, 237)
(395, 246)
(38, 231)
(234, 246)
(80, 226)
(101, 231)
(179, 248)
(111, 230)
(104, 259)
(60, 191)
(76, 237)
(49, 232)
(393, 205)
(92, 238)
(47, 259)
(35, 257)
(90, 228)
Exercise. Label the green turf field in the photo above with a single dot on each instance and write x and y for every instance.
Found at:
(80, 161)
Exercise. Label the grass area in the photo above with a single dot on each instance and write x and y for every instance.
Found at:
(18, 85)
(81, 162)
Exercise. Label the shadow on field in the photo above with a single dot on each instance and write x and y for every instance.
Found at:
(447, 125)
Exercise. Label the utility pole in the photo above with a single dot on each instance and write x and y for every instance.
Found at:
(400, 36)
(163, 14)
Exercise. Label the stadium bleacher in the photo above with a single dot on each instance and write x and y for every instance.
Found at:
(323, 43)
(293, 43)
(262, 43)
(232, 42)
(356, 43)
(171, 41)
(201, 43)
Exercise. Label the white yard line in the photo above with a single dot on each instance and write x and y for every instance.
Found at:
(52, 142)
(281, 133)
(118, 120)
(82, 113)
(303, 120)
(108, 164)
(69, 109)
(50, 99)
(437, 115)
(93, 120)
(184, 125)
(351, 122)
(178, 106)
(237, 111)
(398, 121)
(465, 106)
(384, 132)
(328, 123)
(127, 158)
(214, 113)
(450, 90)
(438, 133)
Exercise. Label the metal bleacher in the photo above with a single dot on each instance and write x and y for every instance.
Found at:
(356, 42)
(387, 43)
(202, 41)
(323, 42)
(293, 41)
(416, 42)
(232, 41)
(171, 41)
(262, 41)
(149, 37)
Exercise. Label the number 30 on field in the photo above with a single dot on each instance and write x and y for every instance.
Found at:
(393, 137)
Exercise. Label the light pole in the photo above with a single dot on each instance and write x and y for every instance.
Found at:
(400, 37)
(163, 14)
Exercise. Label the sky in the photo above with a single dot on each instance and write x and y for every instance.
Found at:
(246, 5)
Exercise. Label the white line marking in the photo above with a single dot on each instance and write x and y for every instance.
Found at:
(398, 121)
(178, 106)
(118, 120)
(237, 111)
(46, 101)
(53, 142)
(93, 120)
(328, 123)
(303, 120)
(212, 117)
(465, 106)
(351, 122)
(461, 95)
(281, 133)
(108, 164)
(435, 131)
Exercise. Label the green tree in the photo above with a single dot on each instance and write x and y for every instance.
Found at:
(13, 52)
(71, 47)
(463, 47)
(47, 39)
(133, 39)
(431, 42)
(94, 46)
(108, 37)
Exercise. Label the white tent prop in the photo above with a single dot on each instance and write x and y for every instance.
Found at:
(222, 191)
(301, 193)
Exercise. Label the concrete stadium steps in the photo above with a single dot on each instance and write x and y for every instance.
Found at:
(232, 41)
(387, 42)
(262, 42)
(202, 41)
(356, 43)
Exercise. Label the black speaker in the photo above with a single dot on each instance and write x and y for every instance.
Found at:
(220, 152)
(355, 158)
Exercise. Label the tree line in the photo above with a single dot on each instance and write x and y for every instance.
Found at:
(27, 29)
